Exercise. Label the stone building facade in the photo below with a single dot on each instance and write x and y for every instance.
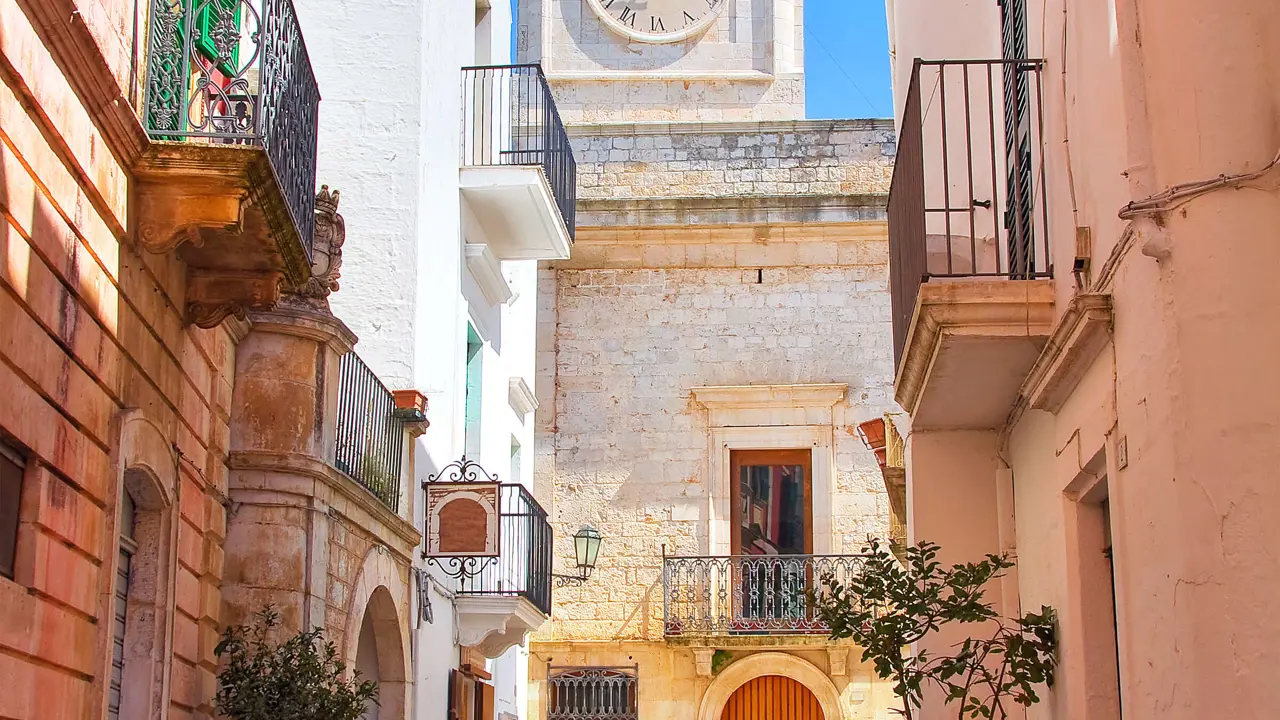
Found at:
(171, 375)
(727, 299)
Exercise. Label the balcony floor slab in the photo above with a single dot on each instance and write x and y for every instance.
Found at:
(969, 349)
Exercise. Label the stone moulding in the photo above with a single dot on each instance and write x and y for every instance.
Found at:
(769, 396)
(1081, 334)
(494, 625)
(305, 467)
(977, 308)
(521, 397)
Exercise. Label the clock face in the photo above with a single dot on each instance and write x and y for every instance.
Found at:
(657, 21)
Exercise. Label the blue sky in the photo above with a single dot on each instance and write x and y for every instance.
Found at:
(846, 59)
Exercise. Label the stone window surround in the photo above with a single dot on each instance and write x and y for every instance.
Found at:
(770, 417)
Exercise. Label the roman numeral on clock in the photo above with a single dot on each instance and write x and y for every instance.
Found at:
(628, 16)
(655, 24)
(689, 19)
(607, 4)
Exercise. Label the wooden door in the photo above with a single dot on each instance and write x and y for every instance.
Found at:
(772, 697)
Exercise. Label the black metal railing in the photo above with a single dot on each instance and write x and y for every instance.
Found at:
(523, 565)
(748, 594)
(593, 693)
(967, 197)
(509, 117)
(237, 72)
(370, 438)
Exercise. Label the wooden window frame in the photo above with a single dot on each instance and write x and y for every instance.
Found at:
(740, 458)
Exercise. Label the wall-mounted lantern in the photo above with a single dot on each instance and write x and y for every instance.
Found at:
(586, 550)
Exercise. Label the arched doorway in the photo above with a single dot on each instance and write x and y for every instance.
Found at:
(770, 664)
(772, 697)
(367, 662)
(376, 641)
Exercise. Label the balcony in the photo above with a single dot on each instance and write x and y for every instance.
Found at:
(970, 259)
(228, 180)
(747, 595)
(501, 600)
(518, 176)
(369, 439)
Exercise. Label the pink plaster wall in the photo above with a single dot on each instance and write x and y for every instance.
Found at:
(1150, 93)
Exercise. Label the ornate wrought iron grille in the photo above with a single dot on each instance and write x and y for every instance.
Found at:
(592, 693)
(523, 565)
(370, 438)
(747, 594)
(237, 72)
(509, 118)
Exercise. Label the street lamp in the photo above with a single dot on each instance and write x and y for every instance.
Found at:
(586, 549)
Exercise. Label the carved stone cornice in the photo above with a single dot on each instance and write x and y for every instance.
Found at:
(262, 471)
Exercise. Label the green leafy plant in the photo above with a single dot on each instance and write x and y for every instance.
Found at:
(887, 606)
(298, 679)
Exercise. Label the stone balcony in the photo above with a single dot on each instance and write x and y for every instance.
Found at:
(228, 179)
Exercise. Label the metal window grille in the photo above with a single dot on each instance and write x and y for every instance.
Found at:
(593, 693)
(370, 438)
(120, 605)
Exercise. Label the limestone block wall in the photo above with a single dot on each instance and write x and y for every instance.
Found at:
(628, 446)
(103, 388)
(840, 157)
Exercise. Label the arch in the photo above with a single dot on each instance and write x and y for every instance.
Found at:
(770, 663)
(378, 593)
(139, 586)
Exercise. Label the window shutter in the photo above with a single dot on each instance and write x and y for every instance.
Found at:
(484, 701)
(462, 692)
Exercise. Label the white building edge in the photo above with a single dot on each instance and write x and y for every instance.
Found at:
(440, 271)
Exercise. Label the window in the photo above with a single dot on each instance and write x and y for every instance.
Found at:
(592, 693)
(471, 697)
(471, 427)
(11, 467)
(771, 506)
(120, 605)
(516, 468)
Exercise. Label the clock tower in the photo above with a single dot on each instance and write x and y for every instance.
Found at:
(613, 61)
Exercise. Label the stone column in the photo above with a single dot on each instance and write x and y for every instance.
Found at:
(282, 444)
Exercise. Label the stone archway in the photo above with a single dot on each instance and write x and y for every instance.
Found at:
(763, 665)
(375, 635)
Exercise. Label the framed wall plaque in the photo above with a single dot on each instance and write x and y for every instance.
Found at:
(462, 519)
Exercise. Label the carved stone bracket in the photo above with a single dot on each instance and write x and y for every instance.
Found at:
(702, 658)
(213, 297)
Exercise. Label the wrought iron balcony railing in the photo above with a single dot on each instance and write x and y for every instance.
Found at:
(523, 565)
(592, 693)
(509, 118)
(967, 197)
(237, 72)
(370, 438)
(747, 594)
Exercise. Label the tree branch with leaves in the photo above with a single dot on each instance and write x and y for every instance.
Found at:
(299, 679)
(888, 606)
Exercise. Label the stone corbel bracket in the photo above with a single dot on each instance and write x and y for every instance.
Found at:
(221, 209)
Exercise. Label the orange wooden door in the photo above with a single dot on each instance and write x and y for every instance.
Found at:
(772, 697)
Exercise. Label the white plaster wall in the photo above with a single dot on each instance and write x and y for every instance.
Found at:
(389, 138)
